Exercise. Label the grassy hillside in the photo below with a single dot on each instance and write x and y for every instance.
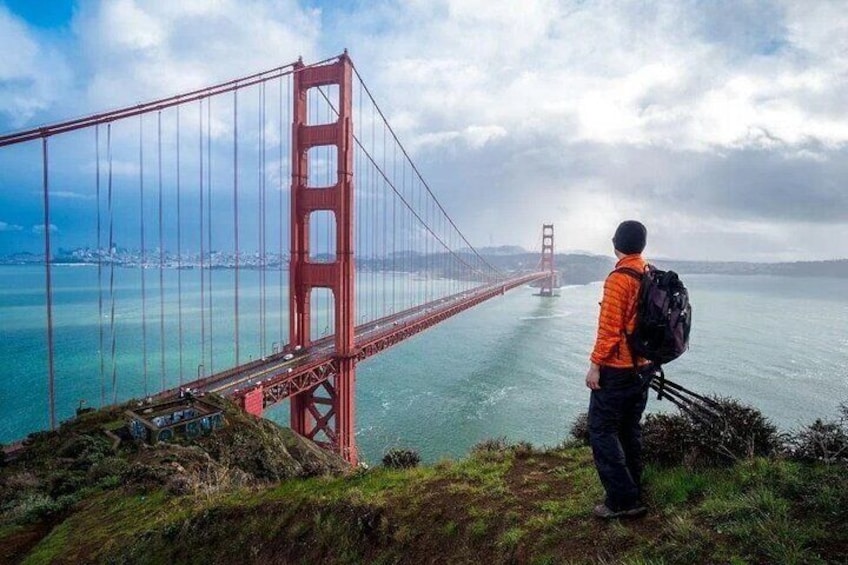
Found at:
(259, 494)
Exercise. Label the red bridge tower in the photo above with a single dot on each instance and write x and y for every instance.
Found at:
(547, 262)
(324, 413)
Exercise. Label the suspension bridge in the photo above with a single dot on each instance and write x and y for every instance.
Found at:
(191, 203)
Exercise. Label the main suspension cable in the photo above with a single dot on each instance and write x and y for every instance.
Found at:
(418, 173)
(406, 203)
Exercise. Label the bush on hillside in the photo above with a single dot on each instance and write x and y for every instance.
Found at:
(666, 438)
(580, 428)
(820, 441)
(491, 445)
(825, 441)
(399, 458)
(522, 449)
(741, 432)
(499, 448)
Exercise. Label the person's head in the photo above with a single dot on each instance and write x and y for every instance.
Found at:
(630, 238)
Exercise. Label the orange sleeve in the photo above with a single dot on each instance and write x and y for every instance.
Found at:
(611, 321)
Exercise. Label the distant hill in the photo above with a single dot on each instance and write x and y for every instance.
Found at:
(498, 250)
(578, 268)
(836, 268)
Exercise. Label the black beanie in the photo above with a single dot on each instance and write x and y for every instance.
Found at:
(630, 237)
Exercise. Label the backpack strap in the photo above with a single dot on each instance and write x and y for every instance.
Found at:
(629, 272)
(633, 273)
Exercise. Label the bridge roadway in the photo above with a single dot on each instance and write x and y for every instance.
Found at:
(276, 378)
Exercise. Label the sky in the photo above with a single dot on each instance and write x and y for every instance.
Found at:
(720, 125)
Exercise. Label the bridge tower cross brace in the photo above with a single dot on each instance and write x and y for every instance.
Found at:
(324, 413)
(547, 262)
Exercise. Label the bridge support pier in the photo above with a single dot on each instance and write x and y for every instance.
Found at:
(324, 413)
(254, 402)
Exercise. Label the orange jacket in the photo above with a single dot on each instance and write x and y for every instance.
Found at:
(618, 315)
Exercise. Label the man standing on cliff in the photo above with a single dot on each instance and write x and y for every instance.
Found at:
(619, 382)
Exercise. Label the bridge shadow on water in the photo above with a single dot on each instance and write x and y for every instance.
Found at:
(510, 374)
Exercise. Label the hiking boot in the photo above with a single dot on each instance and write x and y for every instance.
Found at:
(603, 512)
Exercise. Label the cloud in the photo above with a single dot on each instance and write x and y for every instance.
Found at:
(139, 50)
(720, 116)
(6, 227)
(67, 195)
(723, 118)
(679, 75)
(39, 229)
(33, 73)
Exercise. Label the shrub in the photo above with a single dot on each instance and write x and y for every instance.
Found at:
(491, 445)
(821, 441)
(145, 476)
(741, 432)
(522, 449)
(580, 428)
(86, 447)
(108, 466)
(666, 438)
(32, 507)
(65, 482)
(399, 458)
(179, 485)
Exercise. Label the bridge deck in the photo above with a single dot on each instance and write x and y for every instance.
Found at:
(279, 378)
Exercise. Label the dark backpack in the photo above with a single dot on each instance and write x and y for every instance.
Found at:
(663, 316)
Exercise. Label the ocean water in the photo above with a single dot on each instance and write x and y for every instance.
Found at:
(512, 367)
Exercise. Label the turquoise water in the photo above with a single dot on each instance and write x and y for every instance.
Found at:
(513, 366)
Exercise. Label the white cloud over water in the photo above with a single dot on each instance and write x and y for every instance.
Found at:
(5, 226)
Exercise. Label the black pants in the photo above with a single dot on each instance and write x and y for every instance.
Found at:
(615, 433)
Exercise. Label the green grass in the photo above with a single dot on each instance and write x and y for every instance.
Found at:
(494, 506)
(510, 538)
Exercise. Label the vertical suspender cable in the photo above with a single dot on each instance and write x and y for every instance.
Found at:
(202, 247)
(235, 223)
(416, 241)
(161, 253)
(329, 308)
(404, 268)
(99, 272)
(259, 219)
(281, 220)
(359, 177)
(111, 266)
(372, 224)
(371, 229)
(179, 252)
(48, 286)
(209, 226)
(385, 225)
(290, 142)
(143, 264)
(262, 224)
(394, 230)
